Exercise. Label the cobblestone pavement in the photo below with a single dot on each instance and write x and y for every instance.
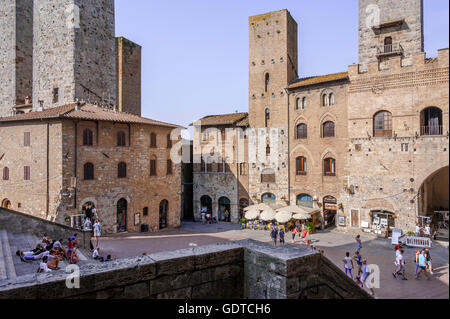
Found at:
(335, 244)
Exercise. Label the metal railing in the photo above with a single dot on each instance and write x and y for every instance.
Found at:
(420, 242)
(390, 49)
(431, 130)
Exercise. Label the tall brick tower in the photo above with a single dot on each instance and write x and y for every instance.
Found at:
(273, 64)
(16, 51)
(390, 28)
(74, 52)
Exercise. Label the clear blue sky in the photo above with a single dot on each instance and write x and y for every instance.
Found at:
(195, 52)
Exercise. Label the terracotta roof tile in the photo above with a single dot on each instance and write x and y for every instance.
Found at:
(223, 119)
(318, 79)
(85, 112)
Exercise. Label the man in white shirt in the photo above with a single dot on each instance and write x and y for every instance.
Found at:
(400, 262)
(428, 231)
(43, 267)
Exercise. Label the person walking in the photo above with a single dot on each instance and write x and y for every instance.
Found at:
(358, 243)
(400, 262)
(359, 262)
(428, 256)
(423, 266)
(294, 233)
(282, 241)
(274, 235)
(365, 276)
(416, 262)
(348, 264)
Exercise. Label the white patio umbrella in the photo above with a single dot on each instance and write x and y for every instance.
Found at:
(283, 217)
(268, 215)
(301, 216)
(253, 214)
(257, 207)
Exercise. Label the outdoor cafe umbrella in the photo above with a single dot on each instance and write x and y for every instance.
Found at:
(251, 215)
(283, 217)
(301, 216)
(268, 215)
(258, 207)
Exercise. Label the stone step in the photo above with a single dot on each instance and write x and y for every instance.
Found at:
(9, 263)
(3, 275)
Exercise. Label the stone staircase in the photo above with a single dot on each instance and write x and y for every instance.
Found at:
(11, 267)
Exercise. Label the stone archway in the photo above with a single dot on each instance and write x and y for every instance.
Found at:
(6, 203)
(122, 211)
(433, 194)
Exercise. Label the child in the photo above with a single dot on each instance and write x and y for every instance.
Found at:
(282, 242)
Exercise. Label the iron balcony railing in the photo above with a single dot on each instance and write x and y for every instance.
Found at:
(431, 130)
(390, 49)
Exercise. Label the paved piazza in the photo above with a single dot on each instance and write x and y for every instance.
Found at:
(335, 244)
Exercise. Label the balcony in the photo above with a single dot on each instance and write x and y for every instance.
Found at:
(431, 130)
(390, 50)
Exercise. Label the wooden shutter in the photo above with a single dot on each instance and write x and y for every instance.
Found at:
(27, 139)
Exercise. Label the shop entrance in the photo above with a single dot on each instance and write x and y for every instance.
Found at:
(329, 211)
(383, 222)
(89, 210)
(163, 212)
(224, 209)
(122, 206)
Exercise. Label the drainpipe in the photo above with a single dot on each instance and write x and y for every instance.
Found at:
(48, 173)
(289, 146)
(75, 164)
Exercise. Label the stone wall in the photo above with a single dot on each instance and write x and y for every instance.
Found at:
(74, 39)
(129, 76)
(225, 271)
(16, 50)
(409, 34)
(20, 223)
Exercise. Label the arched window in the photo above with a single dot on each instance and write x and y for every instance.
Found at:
(88, 137)
(267, 116)
(382, 124)
(305, 200)
(325, 100)
(387, 45)
(5, 173)
(301, 165)
(328, 129)
(122, 170)
(332, 98)
(88, 171)
(268, 198)
(121, 139)
(304, 102)
(301, 103)
(329, 167)
(153, 140)
(302, 131)
(431, 121)
(266, 82)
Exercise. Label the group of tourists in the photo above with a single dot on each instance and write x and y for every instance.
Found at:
(50, 252)
(422, 262)
(363, 271)
(278, 234)
(423, 231)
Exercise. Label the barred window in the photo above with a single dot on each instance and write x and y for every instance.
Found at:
(302, 131)
(328, 129)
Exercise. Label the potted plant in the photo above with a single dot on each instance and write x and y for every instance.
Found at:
(310, 227)
(243, 222)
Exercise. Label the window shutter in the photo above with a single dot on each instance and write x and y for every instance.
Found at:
(26, 139)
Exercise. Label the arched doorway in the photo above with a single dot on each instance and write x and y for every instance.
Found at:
(243, 203)
(329, 211)
(6, 204)
(122, 207)
(434, 201)
(163, 212)
(224, 209)
(206, 204)
(268, 198)
(89, 210)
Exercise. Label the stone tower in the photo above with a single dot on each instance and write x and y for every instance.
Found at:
(16, 53)
(74, 52)
(389, 29)
(273, 64)
(129, 76)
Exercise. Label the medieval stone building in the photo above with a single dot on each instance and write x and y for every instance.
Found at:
(71, 133)
(368, 146)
